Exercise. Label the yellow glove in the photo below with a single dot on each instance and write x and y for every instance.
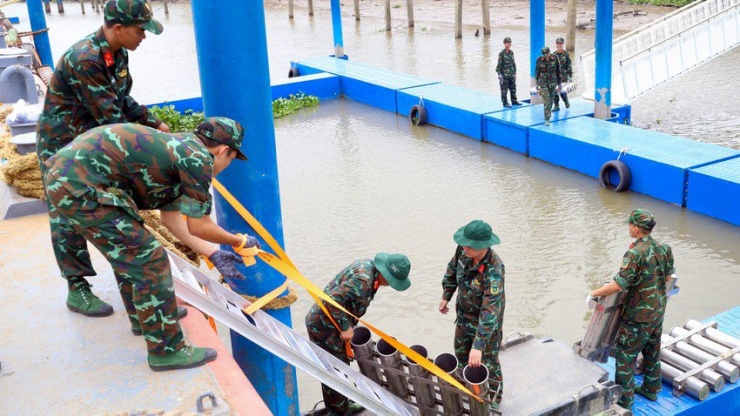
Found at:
(248, 248)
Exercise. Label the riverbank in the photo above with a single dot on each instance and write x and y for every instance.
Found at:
(510, 13)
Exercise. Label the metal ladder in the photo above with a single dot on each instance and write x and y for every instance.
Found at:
(267, 332)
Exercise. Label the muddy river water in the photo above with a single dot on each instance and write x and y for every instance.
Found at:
(356, 180)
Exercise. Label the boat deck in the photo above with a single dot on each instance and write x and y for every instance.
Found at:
(56, 362)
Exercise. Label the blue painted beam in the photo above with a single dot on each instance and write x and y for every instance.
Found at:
(603, 44)
(241, 25)
(536, 35)
(336, 24)
(41, 41)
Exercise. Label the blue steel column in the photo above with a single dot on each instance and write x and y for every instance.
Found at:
(603, 44)
(231, 42)
(336, 24)
(38, 22)
(536, 35)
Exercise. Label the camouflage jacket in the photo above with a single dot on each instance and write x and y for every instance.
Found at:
(90, 87)
(480, 293)
(506, 65)
(353, 288)
(566, 66)
(547, 72)
(645, 267)
(132, 167)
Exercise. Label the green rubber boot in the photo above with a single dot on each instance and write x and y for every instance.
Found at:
(186, 357)
(136, 328)
(83, 301)
(647, 394)
(355, 407)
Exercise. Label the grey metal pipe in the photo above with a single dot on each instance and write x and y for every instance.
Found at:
(692, 386)
(709, 376)
(451, 402)
(424, 392)
(362, 345)
(476, 380)
(706, 344)
(714, 334)
(729, 372)
(390, 357)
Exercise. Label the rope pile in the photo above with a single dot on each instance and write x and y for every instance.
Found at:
(22, 172)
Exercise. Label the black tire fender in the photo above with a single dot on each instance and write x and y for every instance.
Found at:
(418, 115)
(625, 176)
(293, 72)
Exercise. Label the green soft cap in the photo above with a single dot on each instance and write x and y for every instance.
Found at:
(476, 235)
(395, 268)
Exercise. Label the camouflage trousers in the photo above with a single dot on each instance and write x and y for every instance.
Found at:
(557, 97)
(139, 263)
(336, 403)
(465, 331)
(508, 84)
(548, 94)
(633, 338)
(70, 248)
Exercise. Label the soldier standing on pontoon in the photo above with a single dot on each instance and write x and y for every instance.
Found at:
(506, 70)
(547, 74)
(477, 274)
(646, 269)
(353, 288)
(566, 72)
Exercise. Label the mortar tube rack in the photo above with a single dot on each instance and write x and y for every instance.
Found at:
(722, 354)
(373, 361)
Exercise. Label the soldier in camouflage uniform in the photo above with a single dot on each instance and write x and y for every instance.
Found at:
(506, 70)
(547, 74)
(90, 87)
(646, 269)
(353, 288)
(477, 274)
(566, 72)
(97, 184)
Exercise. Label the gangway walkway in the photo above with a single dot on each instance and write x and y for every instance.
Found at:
(662, 50)
(262, 329)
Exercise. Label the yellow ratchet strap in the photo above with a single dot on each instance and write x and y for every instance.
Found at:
(282, 264)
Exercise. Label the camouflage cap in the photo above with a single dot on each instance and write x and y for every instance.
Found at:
(559, 40)
(395, 268)
(225, 131)
(132, 13)
(507, 40)
(476, 235)
(545, 50)
(642, 218)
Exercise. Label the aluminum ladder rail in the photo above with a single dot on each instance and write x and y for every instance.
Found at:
(670, 46)
(267, 332)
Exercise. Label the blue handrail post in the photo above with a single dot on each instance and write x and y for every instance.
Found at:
(537, 35)
(603, 87)
(336, 24)
(38, 22)
(231, 43)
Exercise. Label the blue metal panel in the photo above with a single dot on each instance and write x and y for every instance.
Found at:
(323, 85)
(603, 44)
(659, 162)
(366, 84)
(14, 20)
(536, 35)
(714, 190)
(453, 108)
(510, 129)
